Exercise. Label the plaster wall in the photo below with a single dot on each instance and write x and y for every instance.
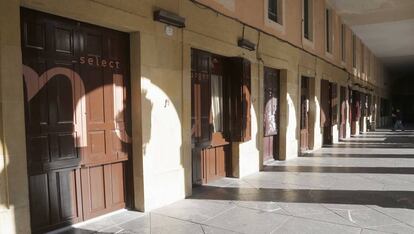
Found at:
(254, 13)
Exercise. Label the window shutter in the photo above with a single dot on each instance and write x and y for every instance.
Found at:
(334, 102)
(201, 101)
(239, 96)
(325, 106)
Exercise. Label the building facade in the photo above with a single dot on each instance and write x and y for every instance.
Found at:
(104, 107)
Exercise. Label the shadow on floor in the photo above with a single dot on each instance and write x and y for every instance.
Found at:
(327, 155)
(329, 169)
(391, 199)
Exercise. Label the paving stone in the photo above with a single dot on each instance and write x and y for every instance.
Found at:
(403, 215)
(303, 208)
(396, 228)
(194, 210)
(262, 206)
(247, 220)
(303, 226)
(367, 218)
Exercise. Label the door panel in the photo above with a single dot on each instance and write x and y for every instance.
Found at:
(77, 117)
(103, 189)
(304, 115)
(271, 114)
(326, 115)
(355, 110)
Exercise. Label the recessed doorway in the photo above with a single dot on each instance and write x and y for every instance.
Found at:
(271, 114)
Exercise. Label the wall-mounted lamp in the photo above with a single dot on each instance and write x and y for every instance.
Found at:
(246, 44)
(169, 18)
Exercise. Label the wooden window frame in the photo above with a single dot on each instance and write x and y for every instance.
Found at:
(328, 30)
(307, 6)
(277, 16)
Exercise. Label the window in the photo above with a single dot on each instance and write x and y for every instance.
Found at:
(274, 11)
(307, 19)
(353, 51)
(328, 30)
(217, 102)
(343, 42)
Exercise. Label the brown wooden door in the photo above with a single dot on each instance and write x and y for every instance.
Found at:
(304, 114)
(271, 114)
(77, 117)
(210, 149)
(363, 111)
(326, 112)
(343, 111)
(355, 110)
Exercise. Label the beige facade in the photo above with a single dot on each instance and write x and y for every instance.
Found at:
(161, 86)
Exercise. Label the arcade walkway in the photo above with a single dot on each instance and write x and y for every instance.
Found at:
(364, 185)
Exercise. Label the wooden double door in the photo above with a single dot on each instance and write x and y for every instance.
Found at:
(271, 115)
(304, 114)
(328, 110)
(211, 149)
(343, 114)
(77, 114)
(220, 112)
(355, 112)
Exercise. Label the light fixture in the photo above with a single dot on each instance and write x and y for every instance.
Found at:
(246, 44)
(169, 18)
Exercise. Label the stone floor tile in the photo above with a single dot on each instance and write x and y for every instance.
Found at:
(304, 226)
(329, 217)
(166, 225)
(368, 231)
(245, 220)
(138, 225)
(262, 206)
(403, 215)
(214, 230)
(345, 207)
(367, 218)
(112, 229)
(303, 208)
(396, 228)
(194, 210)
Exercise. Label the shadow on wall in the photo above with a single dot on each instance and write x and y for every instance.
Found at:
(69, 106)
(162, 140)
(146, 105)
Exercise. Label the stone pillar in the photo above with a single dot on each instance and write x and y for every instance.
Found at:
(315, 138)
(289, 115)
(14, 194)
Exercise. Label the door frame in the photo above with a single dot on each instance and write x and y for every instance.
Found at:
(326, 109)
(217, 141)
(276, 138)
